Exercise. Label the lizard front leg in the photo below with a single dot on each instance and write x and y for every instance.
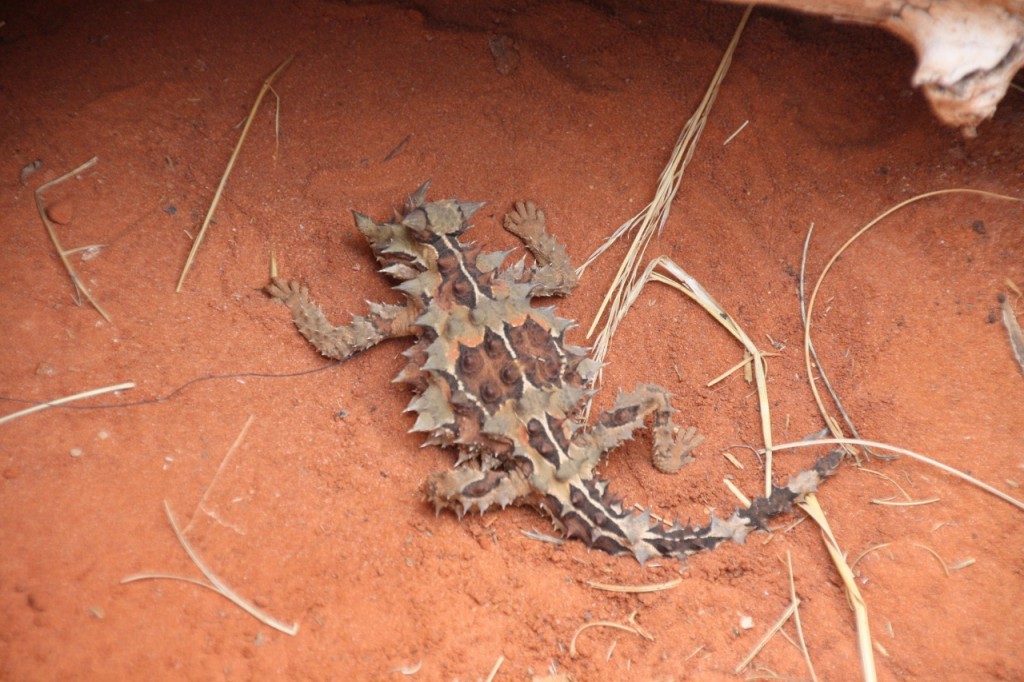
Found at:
(383, 322)
(554, 275)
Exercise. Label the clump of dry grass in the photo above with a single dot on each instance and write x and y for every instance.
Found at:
(652, 218)
(629, 283)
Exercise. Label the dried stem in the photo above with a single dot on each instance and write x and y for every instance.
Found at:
(215, 584)
(227, 171)
(50, 230)
(67, 399)
(809, 361)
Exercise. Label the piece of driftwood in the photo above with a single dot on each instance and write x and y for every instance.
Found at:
(968, 51)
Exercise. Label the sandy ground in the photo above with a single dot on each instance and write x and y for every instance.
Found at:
(316, 516)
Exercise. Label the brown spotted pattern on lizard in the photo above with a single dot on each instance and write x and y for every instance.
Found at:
(494, 379)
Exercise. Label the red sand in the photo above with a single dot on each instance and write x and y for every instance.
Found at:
(317, 516)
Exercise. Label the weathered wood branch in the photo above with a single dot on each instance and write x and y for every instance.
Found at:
(968, 51)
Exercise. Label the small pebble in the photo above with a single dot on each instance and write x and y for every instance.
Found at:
(35, 603)
(77, 452)
(30, 169)
(505, 54)
(61, 212)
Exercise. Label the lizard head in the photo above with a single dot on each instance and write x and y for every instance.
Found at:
(406, 247)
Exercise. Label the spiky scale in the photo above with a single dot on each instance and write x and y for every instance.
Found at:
(417, 198)
(490, 261)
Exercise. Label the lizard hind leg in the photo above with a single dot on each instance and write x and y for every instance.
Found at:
(671, 448)
(466, 487)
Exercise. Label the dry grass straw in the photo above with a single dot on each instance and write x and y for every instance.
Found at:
(227, 171)
(223, 463)
(51, 230)
(945, 567)
(652, 218)
(810, 357)
(630, 626)
(214, 582)
(890, 479)
(732, 460)
(810, 505)
(1013, 329)
(408, 670)
(495, 669)
(796, 618)
(542, 537)
(831, 425)
(869, 550)
(906, 503)
(636, 589)
(860, 610)
(792, 611)
(66, 399)
(736, 132)
(960, 565)
(737, 493)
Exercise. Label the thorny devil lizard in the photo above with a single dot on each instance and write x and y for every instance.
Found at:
(494, 379)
